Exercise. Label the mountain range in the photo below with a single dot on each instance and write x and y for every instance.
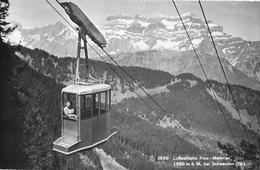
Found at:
(158, 43)
(156, 52)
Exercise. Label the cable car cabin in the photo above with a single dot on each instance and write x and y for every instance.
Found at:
(90, 124)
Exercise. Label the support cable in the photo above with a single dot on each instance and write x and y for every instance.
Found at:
(204, 72)
(222, 68)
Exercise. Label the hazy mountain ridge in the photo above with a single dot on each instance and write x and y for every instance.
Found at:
(186, 62)
(52, 38)
(130, 34)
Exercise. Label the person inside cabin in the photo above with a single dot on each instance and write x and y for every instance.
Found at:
(69, 110)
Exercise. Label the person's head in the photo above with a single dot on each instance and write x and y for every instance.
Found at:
(68, 103)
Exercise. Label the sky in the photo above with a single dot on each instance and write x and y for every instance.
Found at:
(238, 18)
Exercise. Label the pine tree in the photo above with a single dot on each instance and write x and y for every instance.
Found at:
(5, 27)
(245, 152)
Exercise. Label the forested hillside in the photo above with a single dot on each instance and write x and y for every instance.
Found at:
(30, 108)
(152, 133)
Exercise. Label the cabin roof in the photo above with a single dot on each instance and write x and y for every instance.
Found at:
(86, 89)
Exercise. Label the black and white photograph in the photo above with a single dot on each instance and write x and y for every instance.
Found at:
(130, 84)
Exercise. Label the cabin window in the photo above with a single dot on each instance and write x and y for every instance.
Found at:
(85, 104)
(96, 104)
(69, 97)
(103, 102)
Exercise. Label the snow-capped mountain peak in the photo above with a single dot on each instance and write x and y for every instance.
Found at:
(124, 33)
